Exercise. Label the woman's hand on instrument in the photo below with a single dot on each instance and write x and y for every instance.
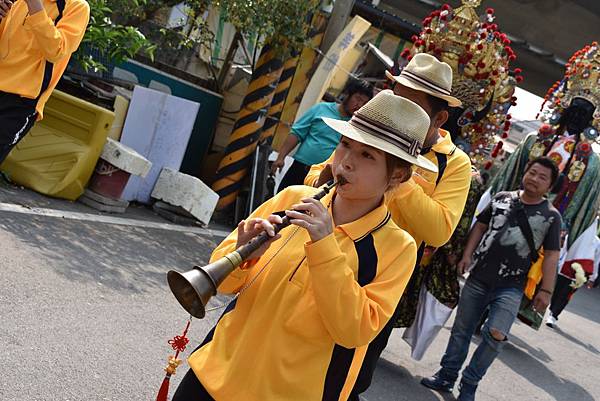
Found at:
(312, 215)
(248, 229)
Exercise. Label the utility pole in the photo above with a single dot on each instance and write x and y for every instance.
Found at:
(337, 22)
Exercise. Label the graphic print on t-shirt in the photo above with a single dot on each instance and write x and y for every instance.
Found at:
(503, 255)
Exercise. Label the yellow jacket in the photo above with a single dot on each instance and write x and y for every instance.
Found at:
(300, 331)
(429, 213)
(27, 41)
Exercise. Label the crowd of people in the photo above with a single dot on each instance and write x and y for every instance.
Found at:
(321, 299)
(316, 305)
(421, 200)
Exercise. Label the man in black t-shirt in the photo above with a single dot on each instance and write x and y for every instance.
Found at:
(503, 257)
(499, 254)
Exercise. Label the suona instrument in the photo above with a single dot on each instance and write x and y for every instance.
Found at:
(195, 287)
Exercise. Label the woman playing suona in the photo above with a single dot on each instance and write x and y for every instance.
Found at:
(313, 297)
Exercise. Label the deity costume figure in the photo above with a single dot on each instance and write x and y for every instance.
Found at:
(571, 114)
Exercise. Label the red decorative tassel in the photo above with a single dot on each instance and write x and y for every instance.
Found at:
(164, 389)
(178, 343)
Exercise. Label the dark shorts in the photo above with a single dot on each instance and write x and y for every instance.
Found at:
(17, 116)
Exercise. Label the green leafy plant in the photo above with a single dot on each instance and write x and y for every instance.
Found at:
(283, 23)
(105, 41)
(115, 29)
(136, 12)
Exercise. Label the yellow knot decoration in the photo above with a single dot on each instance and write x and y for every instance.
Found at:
(172, 366)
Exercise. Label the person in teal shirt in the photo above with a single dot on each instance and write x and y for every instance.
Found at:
(317, 140)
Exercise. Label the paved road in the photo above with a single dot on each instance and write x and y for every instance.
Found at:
(561, 365)
(86, 314)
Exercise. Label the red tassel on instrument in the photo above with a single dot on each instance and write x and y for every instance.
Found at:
(178, 343)
(163, 392)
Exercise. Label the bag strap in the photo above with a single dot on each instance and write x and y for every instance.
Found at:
(48, 69)
(523, 223)
(442, 160)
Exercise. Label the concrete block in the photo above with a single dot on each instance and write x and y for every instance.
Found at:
(173, 209)
(104, 199)
(101, 206)
(187, 192)
(125, 158)
(174, 214)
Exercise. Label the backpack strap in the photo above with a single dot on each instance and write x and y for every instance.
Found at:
(48, 69)
(523, 223)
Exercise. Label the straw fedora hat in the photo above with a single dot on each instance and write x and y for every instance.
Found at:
(427, 74)
(389, 123)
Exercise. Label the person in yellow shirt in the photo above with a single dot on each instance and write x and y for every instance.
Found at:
(37, 38)
(310, 301)
(429, 205)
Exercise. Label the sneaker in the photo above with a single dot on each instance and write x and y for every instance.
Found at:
(466, 391)
(551, 321)
(439, 382)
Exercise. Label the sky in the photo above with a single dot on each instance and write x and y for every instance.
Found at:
(527, 106)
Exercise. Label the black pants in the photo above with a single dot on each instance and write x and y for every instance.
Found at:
(294, 176)
(17, 116)
(561, 296)
(190, 389)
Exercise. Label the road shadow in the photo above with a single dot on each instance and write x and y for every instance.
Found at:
(531, 364)
(587, 347)
(586, 303)
(537, 353)
(122, 258)
(394, 382)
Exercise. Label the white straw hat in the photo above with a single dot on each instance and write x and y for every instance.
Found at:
(389, 123)
(427, 74)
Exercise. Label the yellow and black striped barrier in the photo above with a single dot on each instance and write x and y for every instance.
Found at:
(281, 92)
(300, 80)
(247, 129)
